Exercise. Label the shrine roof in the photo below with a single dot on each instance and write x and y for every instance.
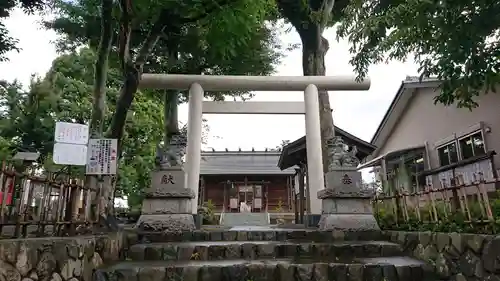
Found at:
(294, 153)
(242, 163)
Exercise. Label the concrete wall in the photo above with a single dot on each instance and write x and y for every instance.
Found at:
(454, 256)
(424, 121)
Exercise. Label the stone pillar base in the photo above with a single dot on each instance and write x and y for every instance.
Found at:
(167, 204)
(198, 220)
(348, 222)
(346, 206)
(166, 223)
(311, 220)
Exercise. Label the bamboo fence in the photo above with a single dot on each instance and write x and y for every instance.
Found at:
(36, 206)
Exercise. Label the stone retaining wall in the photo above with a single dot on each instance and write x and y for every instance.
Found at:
(58, 258)
(454, 256)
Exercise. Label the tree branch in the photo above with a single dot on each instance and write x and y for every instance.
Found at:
(150, 42)
(296, 12)
(211, 8)
(326, 13)
(101, 67)
(132, 74)
(125, 33)
(133, 71)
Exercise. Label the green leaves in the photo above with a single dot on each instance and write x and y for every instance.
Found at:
(211, 37)
(231, 39)
(455, 41)
(23, 123)
(65, 94)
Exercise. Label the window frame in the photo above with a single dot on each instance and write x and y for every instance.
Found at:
(449, 159)
(481, 133)
(413, 174)
(458, 146)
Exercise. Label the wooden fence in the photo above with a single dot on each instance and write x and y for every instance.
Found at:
(34, 205)
(466, 193)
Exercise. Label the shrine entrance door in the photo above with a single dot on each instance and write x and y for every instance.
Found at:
(245, 194)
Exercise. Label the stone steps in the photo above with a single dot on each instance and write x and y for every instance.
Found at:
(370, 269)
(276, 234)
(241, 219)
(219, 250)
(265, 255)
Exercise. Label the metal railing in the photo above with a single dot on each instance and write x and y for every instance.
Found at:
(35, 204)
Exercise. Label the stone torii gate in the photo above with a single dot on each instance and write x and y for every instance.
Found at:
(197, 84)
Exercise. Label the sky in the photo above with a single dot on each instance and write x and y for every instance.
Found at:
(358, 112)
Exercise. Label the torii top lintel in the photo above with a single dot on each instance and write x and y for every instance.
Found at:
(253, 83)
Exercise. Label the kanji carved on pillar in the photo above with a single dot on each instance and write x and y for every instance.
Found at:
(167, 179)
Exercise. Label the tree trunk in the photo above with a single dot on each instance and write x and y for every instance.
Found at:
(170, 104)
(132, 72)
(127, 92)
(170, 117)
(313, 64)
(100, 71)
(99, 102)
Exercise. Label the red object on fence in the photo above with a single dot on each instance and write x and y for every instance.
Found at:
(10, 189)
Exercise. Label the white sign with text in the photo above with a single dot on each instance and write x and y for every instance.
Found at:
(102, 157)
(70, 154)
(70, 147)
(71, 133)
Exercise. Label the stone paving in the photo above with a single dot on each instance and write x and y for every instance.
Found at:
(265, 254)
(245, 219)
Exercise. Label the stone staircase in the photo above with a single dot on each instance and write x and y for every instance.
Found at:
(244, 219)
(269, 255)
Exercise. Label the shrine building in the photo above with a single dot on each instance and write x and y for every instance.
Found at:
(266, 180)
(230, 177)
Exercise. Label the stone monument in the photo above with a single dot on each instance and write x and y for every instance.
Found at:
(346, 205)
(167, 203)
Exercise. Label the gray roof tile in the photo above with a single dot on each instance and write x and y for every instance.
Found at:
(242, 162)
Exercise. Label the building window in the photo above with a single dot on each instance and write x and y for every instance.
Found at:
(469, 146)
(472, 145)
(415, 165)
(448, 154)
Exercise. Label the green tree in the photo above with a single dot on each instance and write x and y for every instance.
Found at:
(455, 41)
(310, 18)
(67, 86)
(143, 123)
(28, 119)
(24, 117)
(193, 37)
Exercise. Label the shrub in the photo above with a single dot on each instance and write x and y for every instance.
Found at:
(207, 211)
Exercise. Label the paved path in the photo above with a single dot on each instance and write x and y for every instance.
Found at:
(245, 219)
